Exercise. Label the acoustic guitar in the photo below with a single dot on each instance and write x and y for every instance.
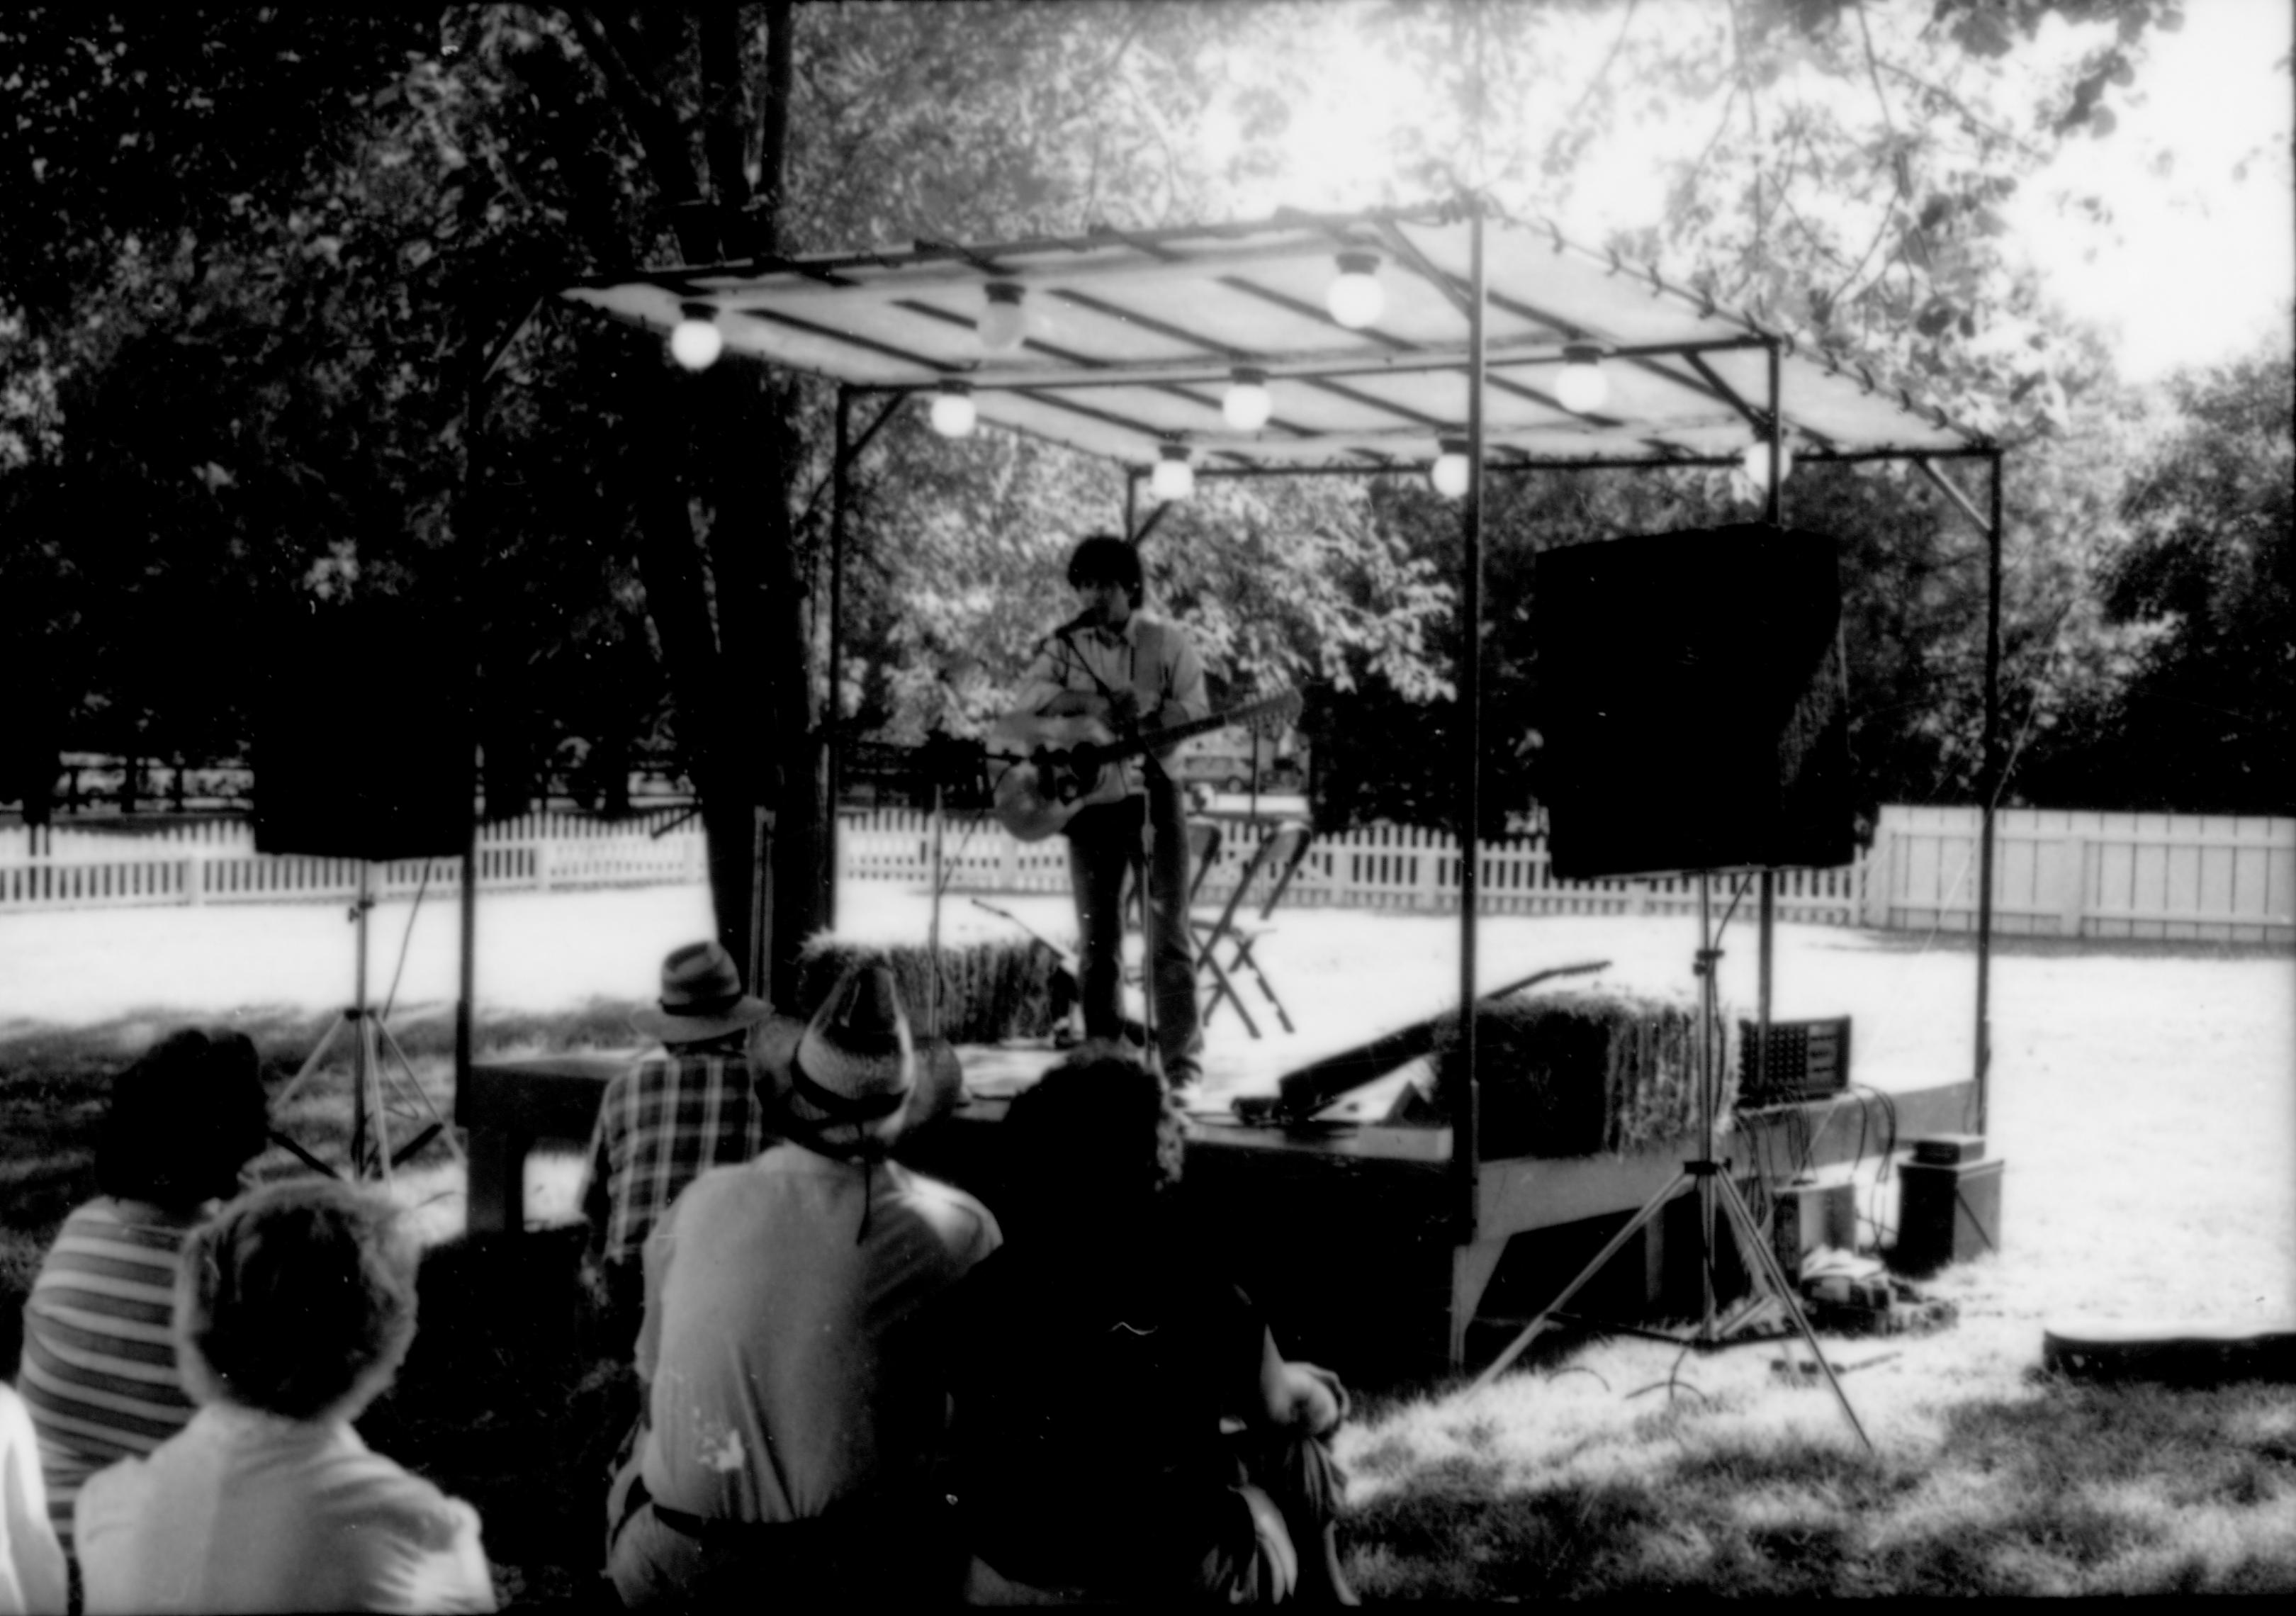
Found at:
(1047, 768)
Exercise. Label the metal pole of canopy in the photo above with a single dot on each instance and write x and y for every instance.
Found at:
(840, 484)
(1990, 771)
(1766, 924)
(1466, 1147)
(474, 418)
(1131, 505)
(1990, 783)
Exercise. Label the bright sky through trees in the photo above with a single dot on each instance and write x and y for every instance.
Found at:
(2200, 263)
(2195, 264)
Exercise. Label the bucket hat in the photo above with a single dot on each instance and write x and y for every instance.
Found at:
(702, 997)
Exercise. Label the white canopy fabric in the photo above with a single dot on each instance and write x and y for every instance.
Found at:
(1132, 338)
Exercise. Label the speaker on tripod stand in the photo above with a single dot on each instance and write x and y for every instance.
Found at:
(1692, 703)
(1694, 711)
(363, 750)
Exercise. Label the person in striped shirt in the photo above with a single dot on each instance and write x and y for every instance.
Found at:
(684, 1108)
(294, 1308)
(99, 1374)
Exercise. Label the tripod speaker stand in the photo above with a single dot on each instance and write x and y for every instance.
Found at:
(373, 1085)
(1716, 1192)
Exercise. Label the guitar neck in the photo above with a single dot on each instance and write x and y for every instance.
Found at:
(1172, 733)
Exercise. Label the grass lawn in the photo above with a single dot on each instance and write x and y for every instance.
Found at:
(2145, 1101)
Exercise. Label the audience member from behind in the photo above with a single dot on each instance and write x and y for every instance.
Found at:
(33, 1581)
(99, 1367)
(294, 1309)
(682, 1109)
(1125, 1427)
(792, 1350)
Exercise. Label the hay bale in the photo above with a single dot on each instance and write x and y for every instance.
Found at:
(991, 992)
(1586, 1073)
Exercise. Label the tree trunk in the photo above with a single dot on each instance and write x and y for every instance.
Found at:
(761, 589)
(801, 873)
(804, 874)
(728, 604)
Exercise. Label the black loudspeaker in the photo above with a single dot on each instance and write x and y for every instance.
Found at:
(363, 734)
(1692, 703)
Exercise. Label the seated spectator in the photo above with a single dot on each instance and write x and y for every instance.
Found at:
(33, 1581)
(684, 1107)
(1124, 1428)
(790, 1349)
(99, 1368)
(294, 1309)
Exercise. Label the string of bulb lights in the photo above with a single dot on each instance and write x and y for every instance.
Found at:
(1354, 301)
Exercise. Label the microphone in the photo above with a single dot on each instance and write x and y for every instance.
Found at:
(1089, 618)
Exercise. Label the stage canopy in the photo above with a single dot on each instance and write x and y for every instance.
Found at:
(1130, 342)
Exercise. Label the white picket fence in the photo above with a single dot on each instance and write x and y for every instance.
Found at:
(2094, 875)
(214, 861)
(1378, 866)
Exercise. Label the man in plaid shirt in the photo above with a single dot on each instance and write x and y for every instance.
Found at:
(684, 1108)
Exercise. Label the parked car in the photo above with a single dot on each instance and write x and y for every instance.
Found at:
(1225, 760)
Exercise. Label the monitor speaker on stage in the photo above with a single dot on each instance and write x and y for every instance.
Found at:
(1692, 703)
(362, 733)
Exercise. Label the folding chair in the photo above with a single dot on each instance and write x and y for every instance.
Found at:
(1282, 852)
(1203, 847)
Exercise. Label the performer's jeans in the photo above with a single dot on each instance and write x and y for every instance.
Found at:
(1104, 839)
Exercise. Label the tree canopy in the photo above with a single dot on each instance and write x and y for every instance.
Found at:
(253, 263)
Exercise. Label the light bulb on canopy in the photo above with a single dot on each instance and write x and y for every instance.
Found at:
(1003, 323)
(1448, 475)
(1174, 478)
(1755, 461)
(695, 342)
(1247, 404)
(1582, 388)
(1356, 297)
(954, 413)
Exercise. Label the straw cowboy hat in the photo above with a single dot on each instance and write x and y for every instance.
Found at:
(702, 997)
(856, 1065)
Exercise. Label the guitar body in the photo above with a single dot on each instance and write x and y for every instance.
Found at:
(1055, 764)
(1040, 790)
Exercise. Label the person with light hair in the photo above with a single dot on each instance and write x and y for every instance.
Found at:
(294, 1309)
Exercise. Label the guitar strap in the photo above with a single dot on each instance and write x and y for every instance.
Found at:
(1067, 636)
(1149, 762)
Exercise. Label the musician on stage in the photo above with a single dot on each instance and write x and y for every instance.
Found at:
(1135, 674)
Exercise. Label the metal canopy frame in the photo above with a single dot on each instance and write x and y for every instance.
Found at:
(1133, 335)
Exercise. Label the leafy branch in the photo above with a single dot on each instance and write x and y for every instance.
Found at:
(1961, 109)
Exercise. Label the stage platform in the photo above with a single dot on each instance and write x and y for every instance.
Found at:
(1354, 1234)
